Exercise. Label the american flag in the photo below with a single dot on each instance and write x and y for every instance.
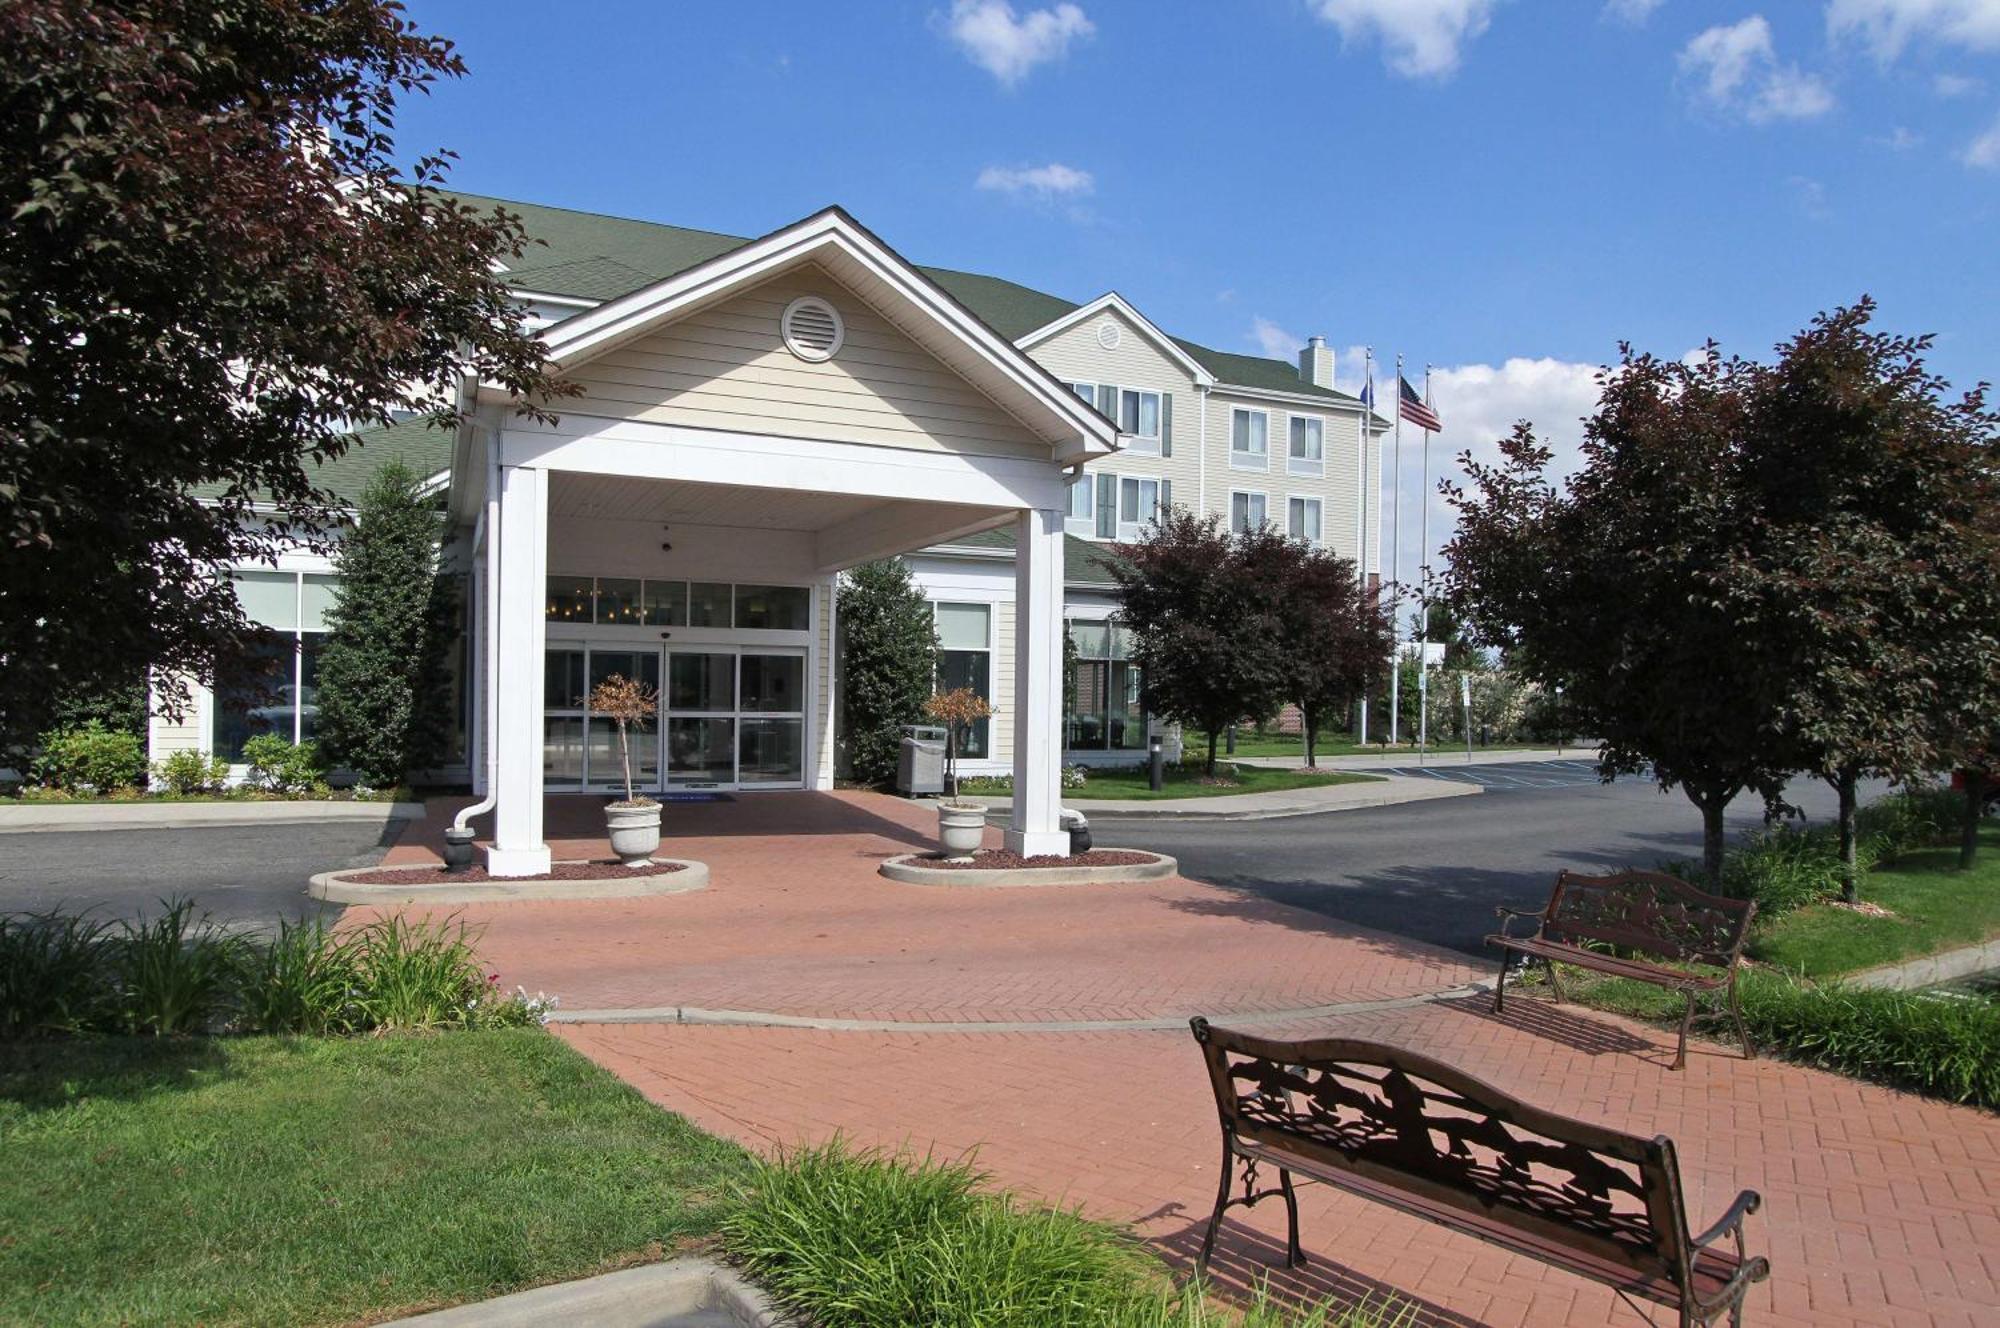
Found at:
(1415, 410)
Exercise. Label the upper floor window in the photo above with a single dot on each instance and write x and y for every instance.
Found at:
(1249, 439)
(1308, 447)
(1138, 505)
(1078, 518)
(1139, 416)
(1302, 519)
(1246, 512)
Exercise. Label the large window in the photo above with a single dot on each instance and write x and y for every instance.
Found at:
(965, 659)
(272, 686)
(1246, 512)
(1139, 504)
(1105, 713)
(1079, 518)
(1307, 455)
(630, 602)
(1302, 519)
(1249, 439)
(1139, 415)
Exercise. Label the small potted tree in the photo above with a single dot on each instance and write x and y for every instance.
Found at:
(961, 824)
(634, 822)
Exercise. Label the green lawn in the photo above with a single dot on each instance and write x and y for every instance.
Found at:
(1936, 907)
(1187, 782)
(267, 1180)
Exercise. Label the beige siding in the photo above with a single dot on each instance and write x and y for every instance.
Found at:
(186, 734)
(726, 367)
(822, 718)
(1338, 489)
(1003, 683)
(1075, 354)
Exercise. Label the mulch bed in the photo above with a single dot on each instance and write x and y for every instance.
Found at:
(993, 859)
(563, 871)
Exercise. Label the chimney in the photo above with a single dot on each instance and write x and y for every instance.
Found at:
(1316, 363)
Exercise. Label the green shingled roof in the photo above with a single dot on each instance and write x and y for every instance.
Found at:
(589, 256)
(425, 450)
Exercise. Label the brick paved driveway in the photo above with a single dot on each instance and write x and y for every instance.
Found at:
(1880, 1208)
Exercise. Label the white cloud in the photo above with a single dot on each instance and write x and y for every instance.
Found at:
(1734, 69)
(1951, 86)
(1984, 152)
(1007, 45)
(1479, 404)
(1811, 196)
(1275, 341)
(1900, 139)
(1635, 12)
(1887, 27)
(1042, 183)
(1420, 38)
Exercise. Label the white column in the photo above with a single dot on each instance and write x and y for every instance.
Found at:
(521, 554)
(1038, 624)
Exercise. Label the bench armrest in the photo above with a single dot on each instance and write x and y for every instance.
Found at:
(1507, 916)
(1746, 1203)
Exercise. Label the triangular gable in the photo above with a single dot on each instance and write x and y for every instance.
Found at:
(1112, 300)
(891, 286)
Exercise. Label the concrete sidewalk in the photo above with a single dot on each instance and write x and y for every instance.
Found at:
(1386, 791)
(32, 816)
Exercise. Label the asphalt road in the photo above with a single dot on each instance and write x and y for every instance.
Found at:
(1435, 870)
(244, 876)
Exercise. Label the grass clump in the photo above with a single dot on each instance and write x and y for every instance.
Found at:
(329, 1180)
(1942, 1044)
(180, 974)
(863, 1239)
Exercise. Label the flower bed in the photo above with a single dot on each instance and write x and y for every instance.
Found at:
(562, 871)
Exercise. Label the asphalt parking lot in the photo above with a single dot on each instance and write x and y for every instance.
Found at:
(1507, 776)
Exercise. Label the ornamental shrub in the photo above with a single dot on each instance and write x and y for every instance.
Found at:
(90, 758)
(278, 766)
(888, 658)
(185, 774)
(384, 705)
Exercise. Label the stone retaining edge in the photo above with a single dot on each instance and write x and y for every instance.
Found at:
(904, 867)
(334, 888)
(630, 1298)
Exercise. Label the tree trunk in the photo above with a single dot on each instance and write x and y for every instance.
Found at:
(1712, 836)
(1312, 735)
(1209, 769)
(1844, 783)
(1968, 835)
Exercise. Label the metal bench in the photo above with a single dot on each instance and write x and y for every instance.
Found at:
(1652, 913)
(1417, 1135)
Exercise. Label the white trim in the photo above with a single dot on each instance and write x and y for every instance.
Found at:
(1305, 466)
(1262, 495)
(1302, 399)
(1245, 460)
(1112, 300)
(1073, 431)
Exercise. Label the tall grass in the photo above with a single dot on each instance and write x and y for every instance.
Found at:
(53, 976)
(179, 973)
(863, 1239)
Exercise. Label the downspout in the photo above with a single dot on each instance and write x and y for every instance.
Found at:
(461, 825)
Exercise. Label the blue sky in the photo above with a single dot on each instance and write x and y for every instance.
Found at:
(1502, 188)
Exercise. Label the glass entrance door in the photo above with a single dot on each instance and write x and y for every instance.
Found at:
(735, 718)
(580, 749)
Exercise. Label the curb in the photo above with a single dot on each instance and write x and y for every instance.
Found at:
(1398, 793)
(908, 868)
(693, 1290)
(696, 1015)
(94, 816)
(1928, 971)
(335, 888)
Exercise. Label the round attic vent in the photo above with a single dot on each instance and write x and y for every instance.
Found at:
(812, 328)
(1108, 335)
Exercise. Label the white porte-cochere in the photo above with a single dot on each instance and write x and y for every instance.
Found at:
(746, 431)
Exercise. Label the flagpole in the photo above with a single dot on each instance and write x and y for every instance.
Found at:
(1361, 537)
(1424, 579)
(1396, 563)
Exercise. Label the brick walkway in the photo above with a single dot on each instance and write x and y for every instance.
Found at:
(1880, 1208)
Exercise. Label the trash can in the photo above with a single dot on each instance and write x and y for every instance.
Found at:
(920, 768)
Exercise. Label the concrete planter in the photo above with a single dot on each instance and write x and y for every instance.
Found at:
(635, 831)
(961, 828)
